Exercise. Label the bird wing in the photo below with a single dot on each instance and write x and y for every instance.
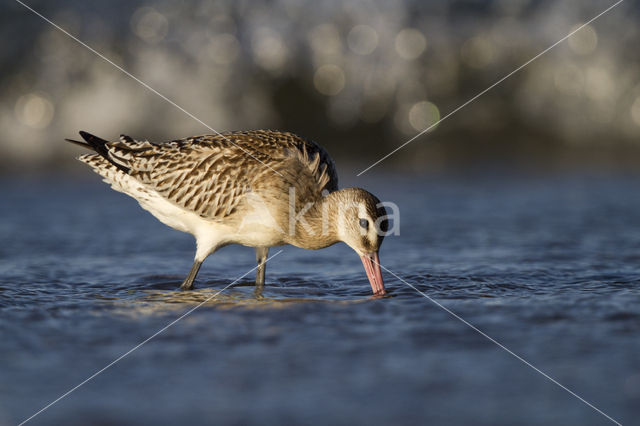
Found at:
(210, 174)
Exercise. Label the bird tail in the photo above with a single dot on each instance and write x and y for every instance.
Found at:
(79, 143)
(99, 145)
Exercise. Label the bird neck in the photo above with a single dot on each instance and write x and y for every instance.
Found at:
(315, 224)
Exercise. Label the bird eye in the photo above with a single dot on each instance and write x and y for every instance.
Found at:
(364, 223)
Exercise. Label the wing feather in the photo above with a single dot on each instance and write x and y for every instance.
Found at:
(210, 174)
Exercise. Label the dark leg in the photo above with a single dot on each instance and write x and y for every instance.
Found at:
(188, 282)
(261, 257)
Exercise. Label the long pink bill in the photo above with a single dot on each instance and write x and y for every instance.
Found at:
(371, 263)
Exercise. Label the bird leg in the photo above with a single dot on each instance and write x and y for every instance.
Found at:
(261, 257)
(188, 282)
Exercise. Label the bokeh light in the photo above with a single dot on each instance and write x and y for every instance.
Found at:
(477, 52)
(584, 41)
(269, 50)
(329, 79)
(149, 24)
(599, 84)
(362, 39)
(34, 110)
(423, 115)
(325, 40)
(410, 43)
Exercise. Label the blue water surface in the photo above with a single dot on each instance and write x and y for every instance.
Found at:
(549, 267)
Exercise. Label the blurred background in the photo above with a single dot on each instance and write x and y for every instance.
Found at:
(359, 77)
(517, 213)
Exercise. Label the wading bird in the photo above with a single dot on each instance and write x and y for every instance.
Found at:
(257, 188)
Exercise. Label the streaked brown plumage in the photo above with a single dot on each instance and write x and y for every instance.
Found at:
(258, 188)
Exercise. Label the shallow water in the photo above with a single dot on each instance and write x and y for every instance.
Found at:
(549, 267)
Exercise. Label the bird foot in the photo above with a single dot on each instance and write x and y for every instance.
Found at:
(186, 286)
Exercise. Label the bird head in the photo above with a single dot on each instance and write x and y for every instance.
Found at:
(362, 224)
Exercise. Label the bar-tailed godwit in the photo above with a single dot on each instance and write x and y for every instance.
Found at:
(257, 188)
